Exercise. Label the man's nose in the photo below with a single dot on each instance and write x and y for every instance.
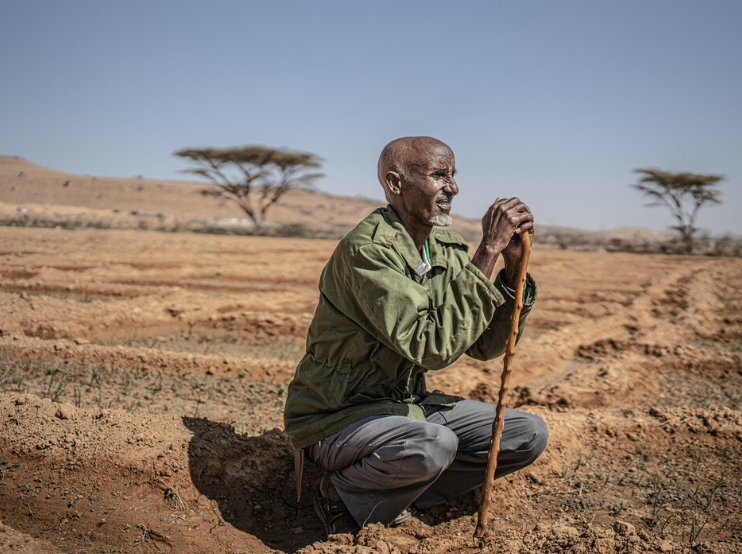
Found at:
(452, 188)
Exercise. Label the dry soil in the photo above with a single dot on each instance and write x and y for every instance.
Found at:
(143, 376)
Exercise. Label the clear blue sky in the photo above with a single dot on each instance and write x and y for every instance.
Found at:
(553, 101)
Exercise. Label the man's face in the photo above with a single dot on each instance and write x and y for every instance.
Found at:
(429, 185)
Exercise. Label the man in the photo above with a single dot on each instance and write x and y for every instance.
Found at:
(398, 299)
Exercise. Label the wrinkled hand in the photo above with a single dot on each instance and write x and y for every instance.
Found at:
(501, 226)
(502, 223)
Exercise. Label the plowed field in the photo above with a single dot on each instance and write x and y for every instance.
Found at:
(143, 377)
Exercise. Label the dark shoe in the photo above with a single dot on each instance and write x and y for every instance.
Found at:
(404, 516)
(335, 515)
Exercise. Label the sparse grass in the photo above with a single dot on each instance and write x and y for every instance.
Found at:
(12, 376)
(660, 496)
(686, 494)
(641, 467)
(694, 390)
(697, 522)
(589, 518)
(235, 345)
(579, 461)
(254, 406)
(618, 509)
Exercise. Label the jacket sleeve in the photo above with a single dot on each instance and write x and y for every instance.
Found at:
(492, 342)
(400, 313)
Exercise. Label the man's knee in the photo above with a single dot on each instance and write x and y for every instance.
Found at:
(539, 438)
(431, 450)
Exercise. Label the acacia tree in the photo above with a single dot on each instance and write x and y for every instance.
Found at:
(255, 177)
(684, 193)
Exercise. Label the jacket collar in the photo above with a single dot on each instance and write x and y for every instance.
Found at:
(403, 242)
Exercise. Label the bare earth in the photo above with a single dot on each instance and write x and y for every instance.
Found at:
(143, 375)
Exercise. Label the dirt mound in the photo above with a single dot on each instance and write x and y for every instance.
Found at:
(621, 537)
(14, 541)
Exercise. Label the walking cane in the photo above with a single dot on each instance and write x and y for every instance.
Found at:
(499, 423)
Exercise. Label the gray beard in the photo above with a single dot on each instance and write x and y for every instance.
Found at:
(441, 220)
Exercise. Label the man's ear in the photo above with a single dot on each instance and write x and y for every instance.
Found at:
(393, 182)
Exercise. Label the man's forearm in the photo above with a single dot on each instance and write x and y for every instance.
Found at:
(484, 260)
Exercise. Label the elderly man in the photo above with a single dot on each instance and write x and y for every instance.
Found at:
(399, 298)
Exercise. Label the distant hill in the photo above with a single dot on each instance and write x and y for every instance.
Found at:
(44, 196)
(44, 191)
(634, 234)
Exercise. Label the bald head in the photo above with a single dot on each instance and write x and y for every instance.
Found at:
(403, 154)
(417, 174)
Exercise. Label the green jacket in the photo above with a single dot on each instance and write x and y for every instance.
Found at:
(379, 326)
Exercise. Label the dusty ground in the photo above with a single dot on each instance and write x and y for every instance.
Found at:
(143, 376)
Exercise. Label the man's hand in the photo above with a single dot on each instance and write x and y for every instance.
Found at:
(501, 225)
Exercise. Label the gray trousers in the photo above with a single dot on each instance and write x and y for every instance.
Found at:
(383, 464)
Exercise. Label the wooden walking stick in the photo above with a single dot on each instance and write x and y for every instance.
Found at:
(505, 385)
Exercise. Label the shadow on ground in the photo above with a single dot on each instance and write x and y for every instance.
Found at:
(252, 480)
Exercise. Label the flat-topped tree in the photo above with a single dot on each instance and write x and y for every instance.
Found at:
(683, 192)
(255, 176)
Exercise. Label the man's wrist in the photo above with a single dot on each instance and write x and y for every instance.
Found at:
(510, 278)
(510, 273)
(485, 257)
(490, 249)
